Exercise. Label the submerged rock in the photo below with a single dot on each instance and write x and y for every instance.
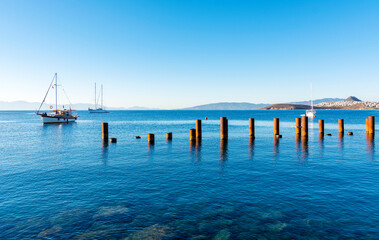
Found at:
(49, 232)
(111, 210)
(154, 232)
(272, 215)
(99, 234)
(277, 227)
(222, 235)
(70, 217)
(214, 225)
(199, 237)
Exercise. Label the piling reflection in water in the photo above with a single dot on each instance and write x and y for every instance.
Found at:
(275, 148)
(198, 150)
(304, 145)
(370, 144)
(104, 152)
(223, 150)
(150, 147)
(251, 147)
(169, 145)
(340, 141)
(298, 143)
(321, 144)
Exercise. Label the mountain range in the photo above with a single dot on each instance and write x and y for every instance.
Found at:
(23, 105)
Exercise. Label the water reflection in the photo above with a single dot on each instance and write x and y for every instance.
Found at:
(304, 145)
(223, 150)
(150, 147)
(298, 142)
(370, 144)
(276, 147)
(195, 150)
(104, 152)
(340, 141)
(251, 147)
(321, 145)
(169, 145)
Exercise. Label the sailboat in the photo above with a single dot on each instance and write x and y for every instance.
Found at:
(311, 113)
(100, 109)
(57, 115)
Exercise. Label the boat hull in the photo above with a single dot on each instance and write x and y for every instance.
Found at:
(47, 120)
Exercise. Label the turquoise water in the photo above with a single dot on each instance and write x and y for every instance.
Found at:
(62, 182)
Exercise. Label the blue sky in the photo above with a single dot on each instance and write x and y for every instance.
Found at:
(172, 54)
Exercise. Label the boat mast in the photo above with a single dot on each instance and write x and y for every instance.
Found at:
(56, 93)
(95, 98)
(311, 98)
(101, 96)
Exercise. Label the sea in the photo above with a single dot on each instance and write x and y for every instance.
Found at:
(63, 182)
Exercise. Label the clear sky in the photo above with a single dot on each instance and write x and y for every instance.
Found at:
(172, 54)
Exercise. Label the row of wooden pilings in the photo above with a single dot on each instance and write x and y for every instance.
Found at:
(301, 129)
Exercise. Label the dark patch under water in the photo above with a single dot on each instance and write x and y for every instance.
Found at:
(62, 182)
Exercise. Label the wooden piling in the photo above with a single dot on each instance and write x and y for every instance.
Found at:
(251, 128)
(341, 127)
(150, 138)
(105, 131)
(198, 129)
(367, 125)
(276, 126)
(192, 134)
(298, 126)
(224, 128)
(371, 125)
(304, 126)
(321, 127)
(169, 136)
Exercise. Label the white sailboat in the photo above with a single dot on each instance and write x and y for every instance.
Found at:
(57, 115)
(100, 109)
(311, 113)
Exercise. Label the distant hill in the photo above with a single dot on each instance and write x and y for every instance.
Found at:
(33, 106)
(19, 105)
(286, 106)
(227, 106)
(317, 101)
(353, 99)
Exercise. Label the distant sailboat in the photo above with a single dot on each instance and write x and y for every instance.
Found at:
(56, 116)
(100, 109)
(311, 113)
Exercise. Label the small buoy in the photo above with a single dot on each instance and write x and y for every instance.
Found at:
(278, 136)
(349, 133)
(113, 140)
(329, 134)
(137, 137)
(206, 118)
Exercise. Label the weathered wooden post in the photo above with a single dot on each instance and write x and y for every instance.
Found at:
(192, 135)
(105, 131)
(298, 126)
(169, 136)
(341, 127)
(224, 128)
(304, 126)
(371, 125)
(367, 125)
(198, 129)
(251, 128)
(150, 138)
(321, 127)
(276, 126)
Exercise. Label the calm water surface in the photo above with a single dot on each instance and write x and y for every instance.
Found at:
(62, 182)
